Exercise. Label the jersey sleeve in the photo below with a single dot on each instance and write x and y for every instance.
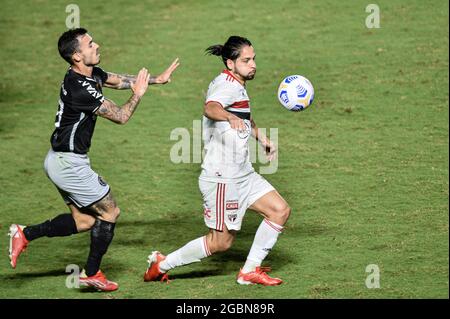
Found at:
(85, 97)
(223, 93)
(102, 75)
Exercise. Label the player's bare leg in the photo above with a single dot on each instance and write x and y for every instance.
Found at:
(213, 242)
(276, 212)
(83, 221)
(273, 207)
(102, 233)
(220, 241)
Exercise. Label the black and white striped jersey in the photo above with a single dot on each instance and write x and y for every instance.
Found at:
(80, 97)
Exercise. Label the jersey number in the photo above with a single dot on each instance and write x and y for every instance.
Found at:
(59, 113)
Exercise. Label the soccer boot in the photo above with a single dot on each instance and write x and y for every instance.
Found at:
(17, 243)
(153, 273)
(258, 276)
(98, 281)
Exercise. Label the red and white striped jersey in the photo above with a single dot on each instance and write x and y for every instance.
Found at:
(228, 92)
(226, 157)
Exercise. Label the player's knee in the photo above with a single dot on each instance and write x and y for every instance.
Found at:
(116, 213)
(83, 223)
(283, 212)
(112, 214)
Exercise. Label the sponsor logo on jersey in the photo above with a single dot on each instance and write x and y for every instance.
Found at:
(232, 205)
(91, 90)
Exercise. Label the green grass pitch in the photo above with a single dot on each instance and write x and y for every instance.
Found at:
(365, 168)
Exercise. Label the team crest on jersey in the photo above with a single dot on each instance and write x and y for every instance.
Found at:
(207, 212)
(232, 217)
(244, 134)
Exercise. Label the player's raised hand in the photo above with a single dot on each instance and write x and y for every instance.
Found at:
(164, 77)
(140, 86)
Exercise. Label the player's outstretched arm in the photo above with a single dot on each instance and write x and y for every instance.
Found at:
(215, 112)
(121, 115)
(164, 77)
(125, 81)
(119, 81)
(266, 143)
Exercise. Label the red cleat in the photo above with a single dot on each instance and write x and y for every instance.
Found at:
(17, 243)
(98, 281)
(153, 272)
(259, 276)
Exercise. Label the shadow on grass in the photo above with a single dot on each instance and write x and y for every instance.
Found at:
(36, 274)
(197, 274)
(171, 233)
(135, 236)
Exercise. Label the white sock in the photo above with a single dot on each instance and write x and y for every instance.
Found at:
(193, 251)
(265, 238)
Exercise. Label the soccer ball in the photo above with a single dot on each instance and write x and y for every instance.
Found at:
(295, 93)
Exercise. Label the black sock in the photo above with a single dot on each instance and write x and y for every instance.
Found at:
(61, 225)
(102, 234)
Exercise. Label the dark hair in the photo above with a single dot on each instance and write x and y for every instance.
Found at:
(68, 43)
(230, 50)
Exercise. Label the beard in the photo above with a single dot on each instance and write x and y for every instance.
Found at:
(249, 76)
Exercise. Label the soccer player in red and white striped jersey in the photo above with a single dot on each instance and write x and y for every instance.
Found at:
(228, 182)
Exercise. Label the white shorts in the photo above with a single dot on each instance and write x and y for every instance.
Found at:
(226, 203)
(74, 178)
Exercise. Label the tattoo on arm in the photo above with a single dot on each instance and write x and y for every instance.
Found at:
(124, 81)
(120, 81)
(119, 115)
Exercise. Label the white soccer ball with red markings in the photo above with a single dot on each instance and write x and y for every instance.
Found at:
(295, 93)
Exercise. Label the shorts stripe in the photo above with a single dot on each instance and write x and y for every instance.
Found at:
(217, 206)
(222, 214)
(220, 199)
(278, 229)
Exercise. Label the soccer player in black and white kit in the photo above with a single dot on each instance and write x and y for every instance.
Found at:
(67, 164)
